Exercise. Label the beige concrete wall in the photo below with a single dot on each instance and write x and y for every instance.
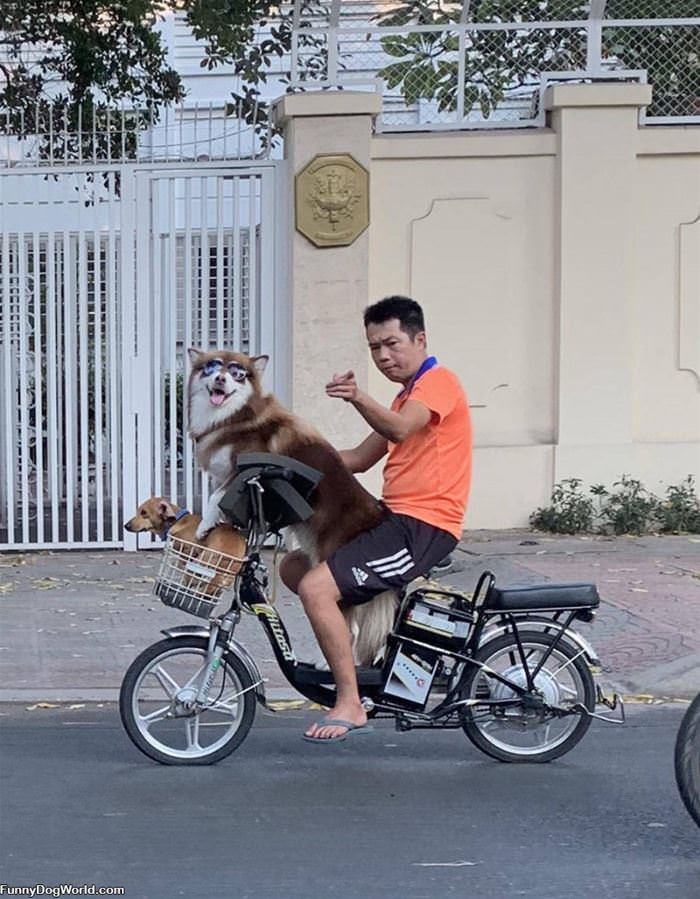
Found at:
(560, 274)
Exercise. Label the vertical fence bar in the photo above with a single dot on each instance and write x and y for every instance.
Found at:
(84, 375)
(70, 381)
(143, 368)
(204, 293)
(188, 462)
(10, 390)
(253, 311)
(594, 36)
(114, 367)
(52, 362)
(220, 296)
(23, 382)
(39, 381)
(98, 381)
(267, 271)
(237, 265)
(171, 304)
(160, 263)
(127, 312)
(60, 382)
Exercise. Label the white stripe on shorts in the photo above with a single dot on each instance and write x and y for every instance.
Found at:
(374, 563)
(395, 571)
(398, 567)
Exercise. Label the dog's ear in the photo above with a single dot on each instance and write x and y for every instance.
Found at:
(167, 510)
(259, 363)
(194, 354)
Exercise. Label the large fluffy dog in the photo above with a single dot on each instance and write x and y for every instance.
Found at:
(229, 414)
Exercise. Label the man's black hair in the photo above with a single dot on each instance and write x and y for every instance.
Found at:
(406, 310)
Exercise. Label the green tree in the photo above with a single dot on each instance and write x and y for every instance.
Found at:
(495, 62)
(67, 67)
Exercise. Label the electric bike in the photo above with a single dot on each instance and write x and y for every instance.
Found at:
(503, 664)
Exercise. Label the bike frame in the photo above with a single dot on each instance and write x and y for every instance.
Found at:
(250, 595)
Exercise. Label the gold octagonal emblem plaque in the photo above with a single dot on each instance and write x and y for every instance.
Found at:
(332, 200)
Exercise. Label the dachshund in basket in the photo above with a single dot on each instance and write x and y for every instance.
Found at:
(157, 515)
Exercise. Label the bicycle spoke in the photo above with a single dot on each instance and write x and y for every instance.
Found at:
(165, 680)
(192, 731)
(226, 705)
(158, 715)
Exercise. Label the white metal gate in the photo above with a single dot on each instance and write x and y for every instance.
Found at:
(107, 276)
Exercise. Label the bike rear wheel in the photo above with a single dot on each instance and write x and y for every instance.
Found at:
(687, 759)
(516, 733)
(155, 693)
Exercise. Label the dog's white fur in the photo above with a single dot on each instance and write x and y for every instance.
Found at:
(227, 417)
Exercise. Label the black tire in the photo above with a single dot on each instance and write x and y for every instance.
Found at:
(687, 759)
(232, 669)
(476, 721)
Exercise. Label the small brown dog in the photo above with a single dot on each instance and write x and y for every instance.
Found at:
(158, 515)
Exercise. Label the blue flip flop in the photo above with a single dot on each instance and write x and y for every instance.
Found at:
(352, 729)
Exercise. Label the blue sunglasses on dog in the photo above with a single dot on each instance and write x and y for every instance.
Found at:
(235, 369)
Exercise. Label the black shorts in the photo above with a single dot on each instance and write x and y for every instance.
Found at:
(398, 550)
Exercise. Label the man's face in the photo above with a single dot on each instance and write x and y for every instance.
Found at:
(395, 353)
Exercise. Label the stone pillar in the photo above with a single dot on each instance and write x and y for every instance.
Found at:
(596, 127)
(328, 287)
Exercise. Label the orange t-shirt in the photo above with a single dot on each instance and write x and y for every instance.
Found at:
(428, 475)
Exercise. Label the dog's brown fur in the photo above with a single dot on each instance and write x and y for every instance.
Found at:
(342, 507)
(157, 515)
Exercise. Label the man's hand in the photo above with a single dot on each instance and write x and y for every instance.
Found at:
(343, 387)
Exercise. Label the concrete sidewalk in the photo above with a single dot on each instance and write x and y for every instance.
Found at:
(72, 622)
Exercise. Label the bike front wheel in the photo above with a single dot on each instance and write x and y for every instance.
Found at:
(156, 699)
(516, 732)
(687, 759)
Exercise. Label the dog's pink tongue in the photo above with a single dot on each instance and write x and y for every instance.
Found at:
(218, 398)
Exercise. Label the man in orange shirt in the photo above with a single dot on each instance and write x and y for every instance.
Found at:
(427, 435)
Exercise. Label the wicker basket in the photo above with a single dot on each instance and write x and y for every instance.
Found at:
(192, 577)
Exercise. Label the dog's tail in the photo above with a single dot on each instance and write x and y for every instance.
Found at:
(370, 624)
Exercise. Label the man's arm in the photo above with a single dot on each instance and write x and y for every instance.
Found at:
(393, 426)
(367, 454)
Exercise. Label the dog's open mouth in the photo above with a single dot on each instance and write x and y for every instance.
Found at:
(218, 396)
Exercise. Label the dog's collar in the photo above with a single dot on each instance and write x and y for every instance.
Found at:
(180, 514)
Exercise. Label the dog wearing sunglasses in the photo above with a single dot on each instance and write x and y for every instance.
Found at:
(230, 414)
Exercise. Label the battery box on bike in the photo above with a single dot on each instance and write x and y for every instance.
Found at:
(430, 623)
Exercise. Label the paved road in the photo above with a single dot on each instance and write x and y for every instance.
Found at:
(415, 816)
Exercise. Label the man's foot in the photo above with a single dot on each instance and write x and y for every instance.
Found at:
(353, 717)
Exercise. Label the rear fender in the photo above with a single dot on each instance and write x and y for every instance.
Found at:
(546, 624)
(198, 630)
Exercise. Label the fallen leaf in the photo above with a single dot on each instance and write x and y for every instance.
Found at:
(47, 583)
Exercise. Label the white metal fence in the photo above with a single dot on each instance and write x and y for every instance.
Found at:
(485, 65)
(107, 275)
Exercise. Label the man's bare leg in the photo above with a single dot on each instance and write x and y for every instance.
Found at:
(319, 595)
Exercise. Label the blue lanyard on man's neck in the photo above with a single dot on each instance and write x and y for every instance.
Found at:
(428, 363)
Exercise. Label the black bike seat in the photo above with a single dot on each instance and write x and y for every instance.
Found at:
(542, 598)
